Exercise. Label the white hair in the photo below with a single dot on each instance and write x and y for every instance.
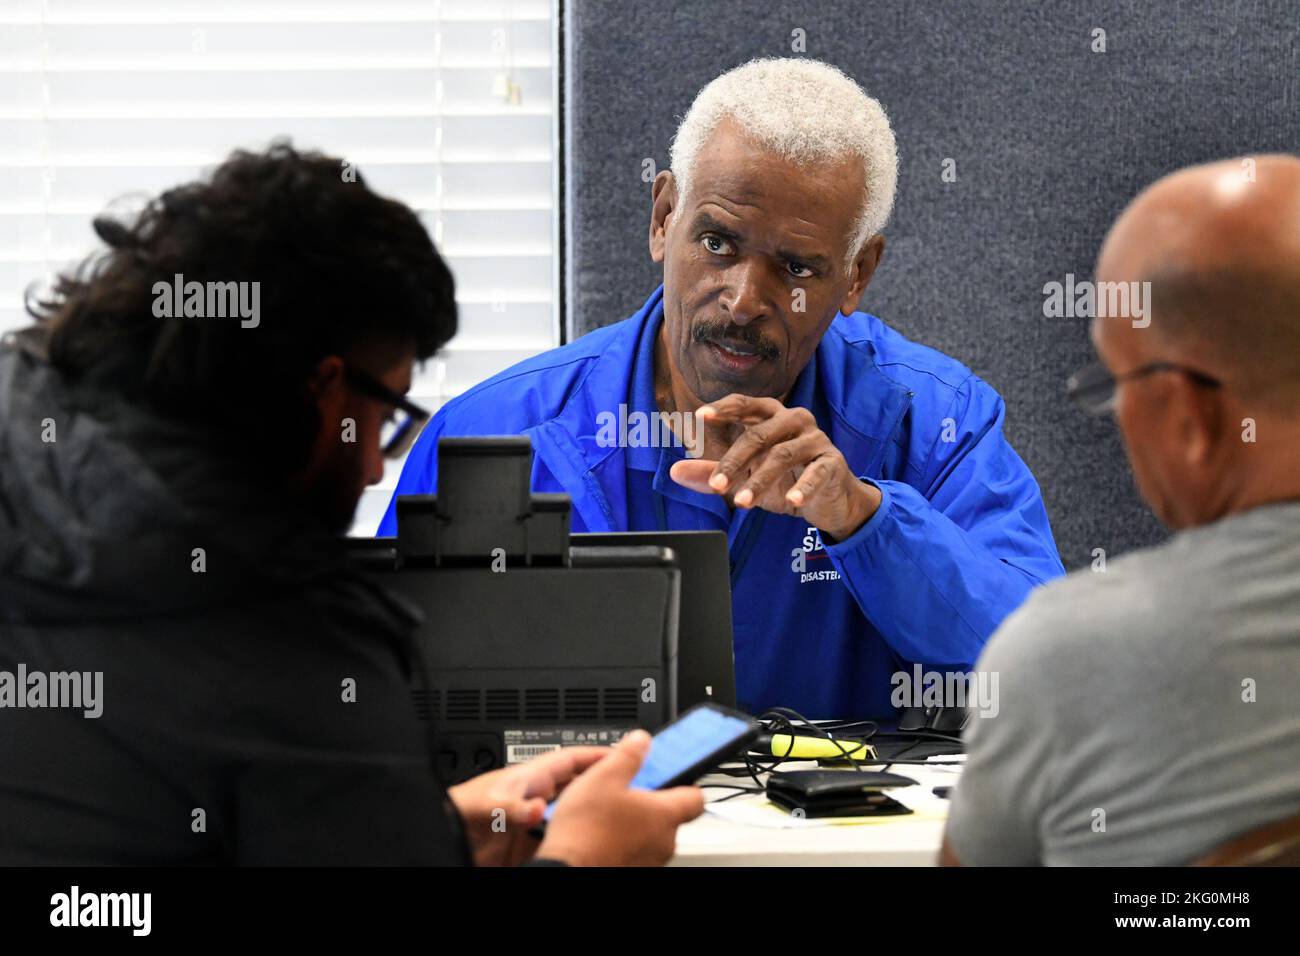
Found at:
(807, 112)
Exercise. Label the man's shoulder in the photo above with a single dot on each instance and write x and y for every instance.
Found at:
(1117, 608)
(536, 389)
(866, 338)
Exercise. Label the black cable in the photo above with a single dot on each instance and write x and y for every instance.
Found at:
(740, 791)
(920, 737)
(922, 734)
(779, 719)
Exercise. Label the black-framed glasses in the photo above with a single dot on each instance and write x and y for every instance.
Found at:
(1093, 387)
(401, 435)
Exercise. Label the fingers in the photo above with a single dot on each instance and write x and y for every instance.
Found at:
(513, 795)
(742, 409)
(693, 473)
(622, 762)
(600, 821)
(552, 772)
(776, 466)
(816, 476)
(683, 804)
(777, 446)
(756, 439)
(528, 813)
(568, 762)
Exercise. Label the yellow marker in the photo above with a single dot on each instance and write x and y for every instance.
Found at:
(819, 748)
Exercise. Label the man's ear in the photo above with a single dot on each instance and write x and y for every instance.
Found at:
(328, 395)
(327, 381)
(1202, 419)
(663, 204)
(864, 267)
(329, 392)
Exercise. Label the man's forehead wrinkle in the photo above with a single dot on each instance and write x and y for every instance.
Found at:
(794, 234)
(727, 204)
(737, 185)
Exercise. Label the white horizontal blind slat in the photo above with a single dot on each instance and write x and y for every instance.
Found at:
(447, 105)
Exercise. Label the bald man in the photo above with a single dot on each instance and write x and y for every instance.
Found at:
(1149, 712)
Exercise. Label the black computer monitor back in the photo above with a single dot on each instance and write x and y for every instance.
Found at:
(706, 667)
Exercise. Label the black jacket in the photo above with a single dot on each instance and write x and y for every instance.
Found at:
(224, 735)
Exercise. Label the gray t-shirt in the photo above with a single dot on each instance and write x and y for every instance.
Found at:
(1148, 712)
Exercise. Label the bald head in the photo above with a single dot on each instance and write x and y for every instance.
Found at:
(1220, 245)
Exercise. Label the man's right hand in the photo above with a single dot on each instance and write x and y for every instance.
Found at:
(598, 821)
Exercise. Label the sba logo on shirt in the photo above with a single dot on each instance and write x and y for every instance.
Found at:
(811, 549)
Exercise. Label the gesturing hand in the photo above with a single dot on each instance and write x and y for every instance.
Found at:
(781, 462)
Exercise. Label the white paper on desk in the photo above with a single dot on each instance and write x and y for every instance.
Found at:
(758, 811)
(952, 763)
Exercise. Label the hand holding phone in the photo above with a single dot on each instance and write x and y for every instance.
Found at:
(600, 821)
(694, 743)
(627, 807)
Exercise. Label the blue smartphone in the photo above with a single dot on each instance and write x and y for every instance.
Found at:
(698, 740)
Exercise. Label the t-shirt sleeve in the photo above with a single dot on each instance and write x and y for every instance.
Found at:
(1000, 801)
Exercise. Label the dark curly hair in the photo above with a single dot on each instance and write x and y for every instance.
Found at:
(339, 266)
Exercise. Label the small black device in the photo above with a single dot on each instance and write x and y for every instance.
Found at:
(706, 665)
(837, 793)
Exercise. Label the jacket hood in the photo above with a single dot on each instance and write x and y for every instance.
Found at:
(110, 510)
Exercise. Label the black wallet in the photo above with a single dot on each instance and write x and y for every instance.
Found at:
(837, 793)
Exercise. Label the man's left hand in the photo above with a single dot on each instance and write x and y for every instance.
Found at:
(499, 808)
(781, 462)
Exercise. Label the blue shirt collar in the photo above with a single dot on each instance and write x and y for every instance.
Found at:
(642, 399)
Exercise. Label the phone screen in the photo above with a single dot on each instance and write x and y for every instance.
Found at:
(683, 744)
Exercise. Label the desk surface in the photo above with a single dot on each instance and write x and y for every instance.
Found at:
(911, 840)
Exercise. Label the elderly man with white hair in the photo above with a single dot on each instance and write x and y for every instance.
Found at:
(876, 515)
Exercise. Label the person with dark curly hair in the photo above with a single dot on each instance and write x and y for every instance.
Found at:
(190, 670)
